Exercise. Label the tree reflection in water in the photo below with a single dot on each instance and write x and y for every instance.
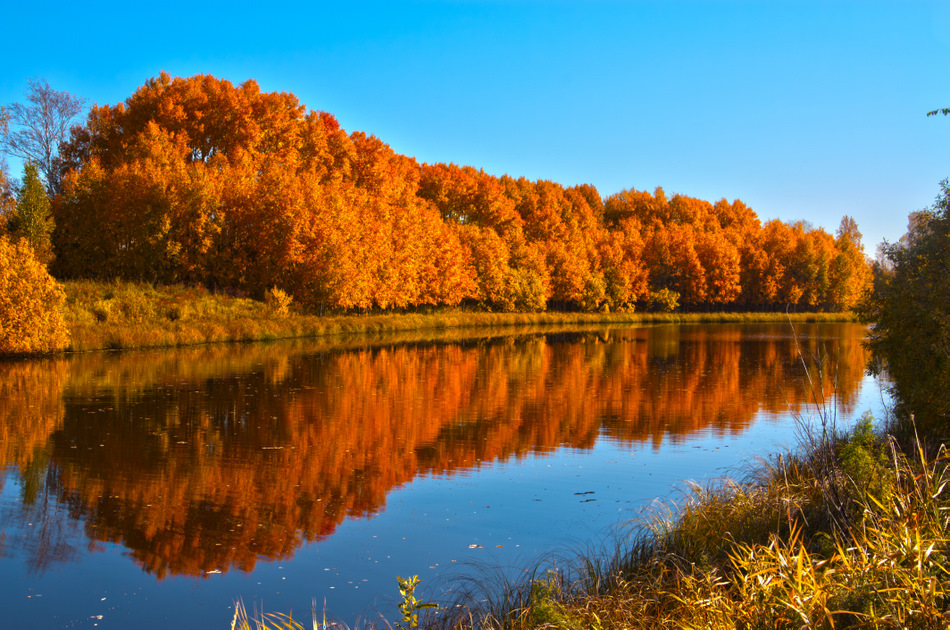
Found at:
(213, 458)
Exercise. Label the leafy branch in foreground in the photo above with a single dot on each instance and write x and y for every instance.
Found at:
(410, 606)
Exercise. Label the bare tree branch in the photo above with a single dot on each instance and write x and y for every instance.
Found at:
(33, 131)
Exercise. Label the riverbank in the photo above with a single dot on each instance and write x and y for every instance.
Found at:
(112, 316)
(848, 531)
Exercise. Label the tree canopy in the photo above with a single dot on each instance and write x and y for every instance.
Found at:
(197, 180)
(911, 313)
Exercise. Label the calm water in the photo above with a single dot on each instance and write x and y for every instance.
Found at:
(153, 489)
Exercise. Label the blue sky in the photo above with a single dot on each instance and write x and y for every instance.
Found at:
(804, 110)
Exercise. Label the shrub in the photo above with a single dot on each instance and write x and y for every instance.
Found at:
(278, 301)
(864, 460)
(137, 304)
(663, 301)
(31, 303)
(101, 310)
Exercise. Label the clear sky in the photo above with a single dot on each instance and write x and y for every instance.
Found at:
(803, 109)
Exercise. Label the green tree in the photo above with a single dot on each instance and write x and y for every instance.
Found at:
(911, 313)
(32, 219)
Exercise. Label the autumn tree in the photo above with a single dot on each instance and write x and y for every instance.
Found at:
(686, 210)
(508, 272)
(198, 180)
(720, 260)
(466, 195)
(641, 205)
(674, 264)
(31, 303)
(39, 126)
(811, 264)
(692, 247)
(621, 257)
(739, 226)
(560, 224)
(777, 283)
(182, 175)
(850, 271)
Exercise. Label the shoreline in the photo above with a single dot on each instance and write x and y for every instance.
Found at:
(125, 316)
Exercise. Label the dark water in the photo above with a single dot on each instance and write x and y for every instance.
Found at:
(153, 489)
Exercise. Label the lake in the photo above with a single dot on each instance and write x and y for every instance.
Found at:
(155, 488)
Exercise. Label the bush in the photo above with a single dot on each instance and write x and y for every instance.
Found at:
(101, 310)
(663, 301)
(31, 303)
(864, 460)
(278, 301)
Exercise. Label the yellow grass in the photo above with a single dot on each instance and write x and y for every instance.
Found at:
(104, 315)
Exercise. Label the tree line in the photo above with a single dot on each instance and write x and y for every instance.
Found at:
(196, 180)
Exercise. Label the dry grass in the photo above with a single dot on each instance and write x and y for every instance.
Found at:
(104, 315)
(278, 621)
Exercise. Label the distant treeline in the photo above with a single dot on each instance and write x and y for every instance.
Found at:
(198, 181)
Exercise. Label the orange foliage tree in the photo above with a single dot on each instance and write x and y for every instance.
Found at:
(196, 180)
(31, 303)
(850, 270)
(199, 181)
(506, 271)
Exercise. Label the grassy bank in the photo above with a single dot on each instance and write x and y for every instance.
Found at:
(103, 315)
(849, 532)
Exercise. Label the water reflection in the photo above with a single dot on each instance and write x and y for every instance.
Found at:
(214, 458)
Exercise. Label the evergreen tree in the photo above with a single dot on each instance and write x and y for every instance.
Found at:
(33, 218)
